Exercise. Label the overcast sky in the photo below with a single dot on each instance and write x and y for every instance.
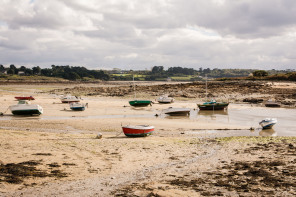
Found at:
(139, 34)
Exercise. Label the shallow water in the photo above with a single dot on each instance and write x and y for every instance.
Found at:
(246, 116)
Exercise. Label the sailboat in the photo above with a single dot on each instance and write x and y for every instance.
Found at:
(213, 104)
(139, 103)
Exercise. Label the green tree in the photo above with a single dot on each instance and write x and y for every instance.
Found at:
(260, 73)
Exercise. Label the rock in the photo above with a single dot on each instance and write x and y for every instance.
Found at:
(99, 136)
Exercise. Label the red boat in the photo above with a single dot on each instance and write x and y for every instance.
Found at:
(138, 130)
(24, 98)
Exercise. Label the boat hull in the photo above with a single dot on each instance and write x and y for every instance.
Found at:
(78, 108)
(214, 106)
(24, 98)
(177, 111)
(140, 103)
(268, 123)
(27, 112)
(137, 131)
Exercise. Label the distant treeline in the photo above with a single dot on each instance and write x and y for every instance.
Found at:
(65, 72)
(156, 73)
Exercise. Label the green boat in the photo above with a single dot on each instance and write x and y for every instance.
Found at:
(213, 105)
(140, 103)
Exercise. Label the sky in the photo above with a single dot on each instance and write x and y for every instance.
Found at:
(139, 34)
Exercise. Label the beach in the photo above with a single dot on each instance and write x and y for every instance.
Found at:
(59, 153)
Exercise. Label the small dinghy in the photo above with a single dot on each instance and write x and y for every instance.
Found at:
(24, 98)
(69, 99)
(268, 123)
(165, 99)
(77, 106)
(271, 103)
(177, 111)
(138, 130)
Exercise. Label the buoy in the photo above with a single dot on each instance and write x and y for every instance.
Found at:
(99, 136)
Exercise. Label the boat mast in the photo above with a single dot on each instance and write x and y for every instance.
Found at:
(134, 87)
(206, 87)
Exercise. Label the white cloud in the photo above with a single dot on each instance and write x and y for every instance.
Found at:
(138, 34)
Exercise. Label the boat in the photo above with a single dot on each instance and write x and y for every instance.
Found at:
(165, 99)
(268, 123)
(139, 103)
(24, 107)
(213, 105)
(177, 111)
(271, 103)
(69, 99)
(24, 98)
(77, 106)
(138, 130)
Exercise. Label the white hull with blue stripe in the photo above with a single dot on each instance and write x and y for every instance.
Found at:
(268, 123)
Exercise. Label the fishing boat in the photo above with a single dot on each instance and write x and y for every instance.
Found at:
(165, 99)
(213, 105)
(139, 103)
(77, 106)
(271, 103)
(69, 99)
(24, 98)
(177, 111)
(268, 123)
(24, 107)
(138, 130)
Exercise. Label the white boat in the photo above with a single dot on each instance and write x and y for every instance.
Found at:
(268, 123)
(165, 99)
(77, 106)
(271, 103)
(24, 107)
(177, 111)
(69, 99)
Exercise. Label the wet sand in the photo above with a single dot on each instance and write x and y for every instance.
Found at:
(184, 157)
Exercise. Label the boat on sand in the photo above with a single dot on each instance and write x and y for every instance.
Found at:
(138, 130)
(24, 98)
(69, 99)
(24, 107)
(77, 106)
(177, 111)
(164, 99)
(213, 105)
(268, 123)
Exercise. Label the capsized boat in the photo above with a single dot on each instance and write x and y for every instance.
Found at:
(77, 106)
(177, 111)
(69, 99)
(268, 123)
(213, 105)
(140, 103)
(24, 98)
(138, 130)
(165, 99)
(24, 107)
(271, 103)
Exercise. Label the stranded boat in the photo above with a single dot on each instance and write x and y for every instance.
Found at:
(24, 98)
(24, 107)
(177, 111)
(69, 99)
(138, 130)
(271, 103)
(139, 103)
(165, 99)
(213, 105)
(268, 123)
(77, 106)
